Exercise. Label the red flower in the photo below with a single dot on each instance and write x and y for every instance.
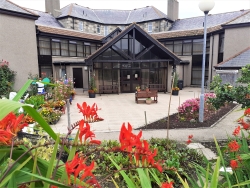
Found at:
(190, 136)
(236, 131)
(234, 164)
(247, 112)
(9, 126)
(87, 133)
(244, 124)
(188, 141)
(233, 146)
(167, 185)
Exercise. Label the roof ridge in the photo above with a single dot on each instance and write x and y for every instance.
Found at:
(22, 8)
(128, 16)
(234, 56)
(236, 17)
(158, 12)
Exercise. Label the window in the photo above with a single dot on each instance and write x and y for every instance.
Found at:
(93, 48)
(79, 49)
(221, 43)
(106, 32)
(87, 49)
(187, 47)
(72, 48)
(197, 46)
(46, 70)
(55, 47)
(81, 26)
(178, 47)
(98, 29)
(170, 46)
(64, 48)
(44, 46)
(150, 27)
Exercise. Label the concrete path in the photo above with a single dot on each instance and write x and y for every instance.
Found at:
(116, 109)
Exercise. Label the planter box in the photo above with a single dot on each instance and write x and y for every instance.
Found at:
(175, 92)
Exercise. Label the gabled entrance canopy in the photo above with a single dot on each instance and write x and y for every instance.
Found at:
(133, 45)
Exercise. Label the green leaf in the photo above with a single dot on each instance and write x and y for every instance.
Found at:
(52, 160)
(7, 178)
(22, 90)
(13, 183)
(183, 182)
(129, 182)
(215, 176)
(144, 179)
(32, 185)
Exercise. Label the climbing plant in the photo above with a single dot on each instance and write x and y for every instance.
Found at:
(7, 78)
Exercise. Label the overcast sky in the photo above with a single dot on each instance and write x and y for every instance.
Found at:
(187, 8)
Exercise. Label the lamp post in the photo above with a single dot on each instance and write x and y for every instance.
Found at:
(205, 6)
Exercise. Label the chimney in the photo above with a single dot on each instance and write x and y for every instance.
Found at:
(53, 7)
(173, 9)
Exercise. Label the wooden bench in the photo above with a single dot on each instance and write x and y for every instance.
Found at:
(157, 87)
(144, 94)
(108, 89)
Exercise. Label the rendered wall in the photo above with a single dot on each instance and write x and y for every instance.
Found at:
(236, 40)
(18, 46)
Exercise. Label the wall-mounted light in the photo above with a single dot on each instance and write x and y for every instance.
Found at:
(128, 77)
(85, 68)
(136, 75)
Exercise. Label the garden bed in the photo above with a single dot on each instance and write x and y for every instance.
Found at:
(175, 123)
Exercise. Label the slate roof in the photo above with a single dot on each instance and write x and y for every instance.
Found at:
(243, 19)
(68, 32)
(194, 26)
(46, 19)
(109, 16)
(237, 61)
(8, 5)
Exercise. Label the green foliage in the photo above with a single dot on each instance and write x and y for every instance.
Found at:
(92, 85)
(245, 75)
(216, 82)
(7, 78)
(176, 77)
(36, 100)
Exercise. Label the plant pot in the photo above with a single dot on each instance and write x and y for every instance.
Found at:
(148, 101)
(91, 95)
(175, 92)
(147, 89)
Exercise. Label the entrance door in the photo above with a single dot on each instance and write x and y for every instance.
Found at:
(129, 80)
(78, 78)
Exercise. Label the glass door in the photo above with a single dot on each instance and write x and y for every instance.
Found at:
(129, 80)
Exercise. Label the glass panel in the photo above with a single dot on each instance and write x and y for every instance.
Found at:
(136, 65)
(178, 47)
(80, 50)
(44, 46)
(97, 65)
(145, 77)
(98, 77)
(124, 46)
(118, 44)
(55, 48)
(107, 77)
(163, 64)
(72, 50)
(187, 47)
(207, 46)
(163, 76)
(150, 27)
(107, 65)
(145, 65)
(116, 56)
(137, 47)
(115, 74)
(154, 65)
(125, 65)
(197, 46)
(170, 46)
(87, 51)
(116, 65)
(46, 70)
(153, 77)
(93, 48)
(64, 48)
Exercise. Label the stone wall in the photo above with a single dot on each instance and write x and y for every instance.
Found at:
(91, 27)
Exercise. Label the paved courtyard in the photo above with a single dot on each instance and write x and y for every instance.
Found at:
(116, 109)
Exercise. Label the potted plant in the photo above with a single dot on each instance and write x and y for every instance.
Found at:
(148, 100)
(92, 87)
(138, 88)
(147, 89)
(175, 88)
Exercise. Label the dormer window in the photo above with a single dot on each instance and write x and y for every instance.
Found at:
(81, 26)
(150, 27)
(98, 29)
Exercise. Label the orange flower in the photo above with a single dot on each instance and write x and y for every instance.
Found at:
(244, 124)
(247, 112)
(167, 185)
(9, 126)
(233, 146)
(188, 141)
(236, 131)
(87, 133)
(190, 136)
(234, 164)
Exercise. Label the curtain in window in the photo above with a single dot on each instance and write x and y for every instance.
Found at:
(44, 46)
(55, 48)
(64, 48)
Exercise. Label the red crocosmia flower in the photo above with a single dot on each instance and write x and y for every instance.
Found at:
(98, 142)
(167, 185)
(233, 146)
(247, 112)
(234, 164)
(190, 136)
(236, 131)
(244, 124)
(9, 126)
(84, 130)
(188, 141)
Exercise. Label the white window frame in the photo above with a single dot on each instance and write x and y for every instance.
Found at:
(150, 27)
(81, 26)
(106, 30)
(98, 29)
